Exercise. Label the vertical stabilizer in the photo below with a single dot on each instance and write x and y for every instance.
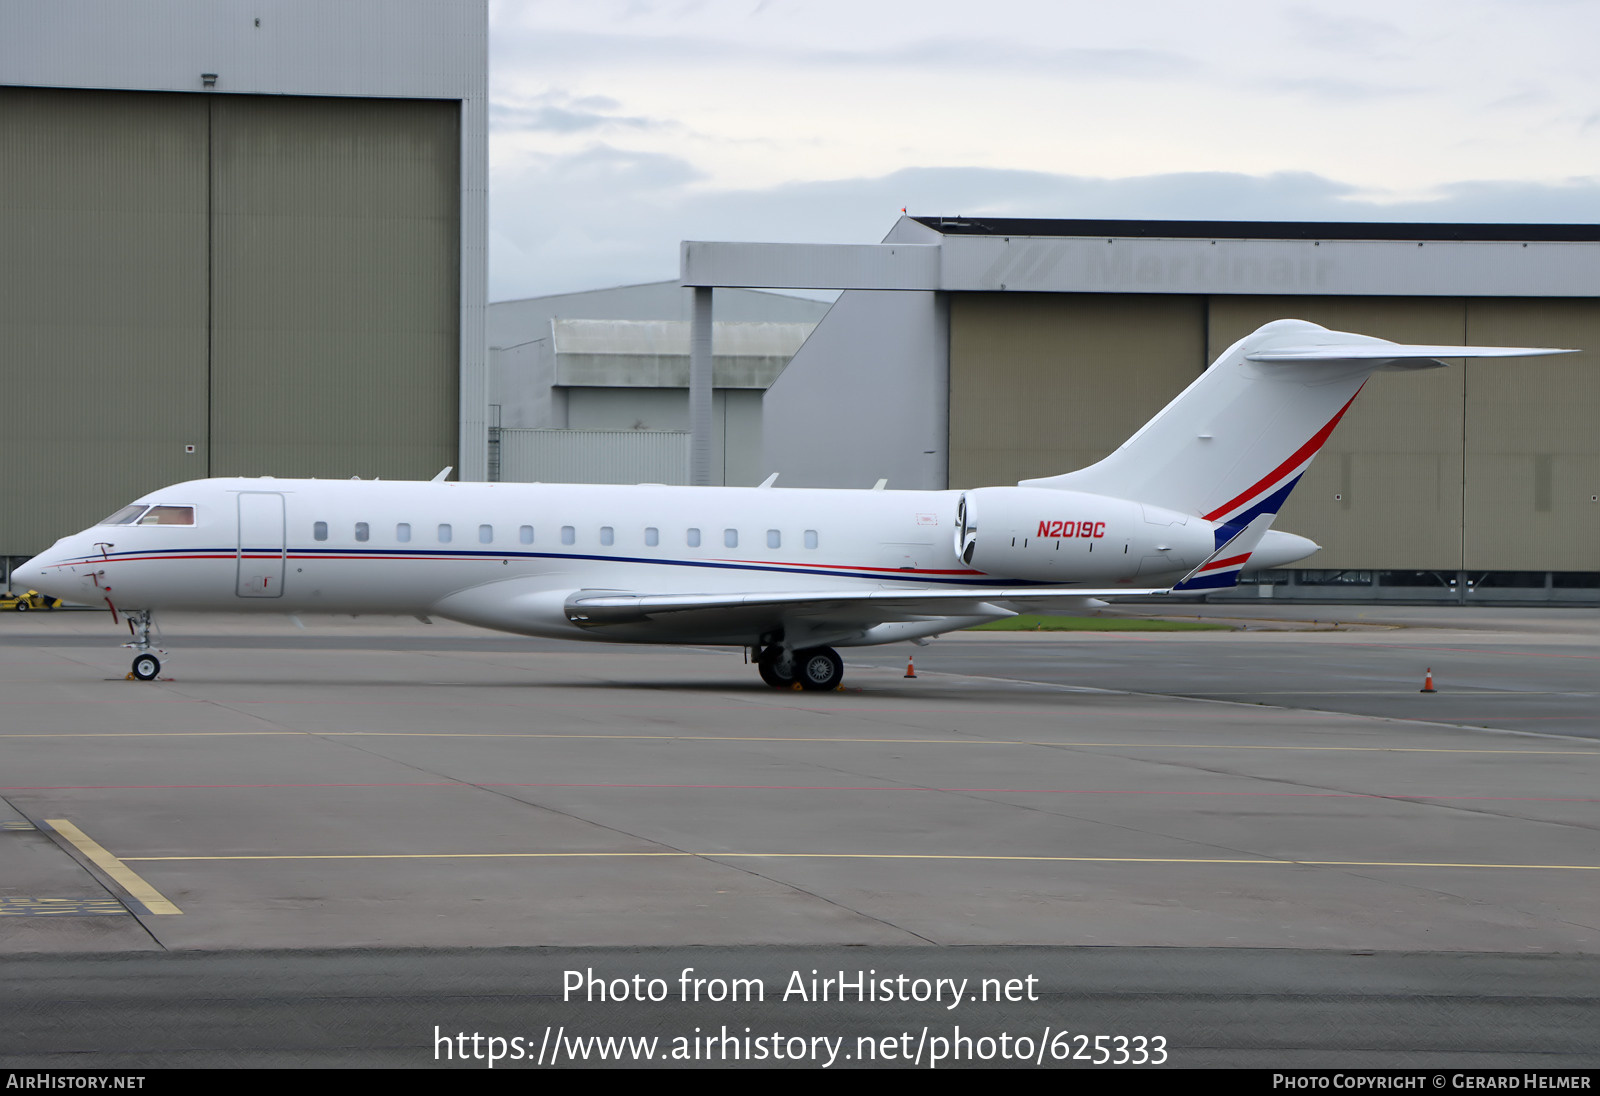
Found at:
(1232, 446)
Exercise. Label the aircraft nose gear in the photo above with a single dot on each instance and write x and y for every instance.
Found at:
(145, 664)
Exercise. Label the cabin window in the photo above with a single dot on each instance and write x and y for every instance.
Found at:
(811, 538)
(445, 534)
(569, 535)
(485, 534)
(608, 535)
(774, 539)
(402, 532)
(525, 534)
(363, 531)
(730, 538)
(319, 530)
(125, 516)
(693, 538)
(168, 515)
(652, 537)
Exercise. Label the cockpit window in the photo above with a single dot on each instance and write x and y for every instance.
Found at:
(168, 515)
(125, 516)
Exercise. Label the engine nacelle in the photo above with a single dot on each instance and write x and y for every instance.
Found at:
(1044, 535)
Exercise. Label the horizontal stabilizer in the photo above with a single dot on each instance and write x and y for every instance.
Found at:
(1387, 351)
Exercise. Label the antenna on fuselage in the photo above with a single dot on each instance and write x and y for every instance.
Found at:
(443, 472)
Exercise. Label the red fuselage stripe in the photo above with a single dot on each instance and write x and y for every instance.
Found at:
(1299, 457)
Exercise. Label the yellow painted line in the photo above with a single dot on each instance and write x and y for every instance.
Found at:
(815, 739)
(124, 876)
(869, 856)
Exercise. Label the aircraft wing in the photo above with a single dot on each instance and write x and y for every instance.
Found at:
(601, 607)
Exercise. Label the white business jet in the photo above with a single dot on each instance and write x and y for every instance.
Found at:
(1184, 505)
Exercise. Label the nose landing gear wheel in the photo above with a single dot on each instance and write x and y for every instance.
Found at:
(819, 669)
(146, 667)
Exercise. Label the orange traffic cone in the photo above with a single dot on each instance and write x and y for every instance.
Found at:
(1427, 682)
(911, 670)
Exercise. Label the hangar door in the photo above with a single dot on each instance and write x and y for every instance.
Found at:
(199, 285)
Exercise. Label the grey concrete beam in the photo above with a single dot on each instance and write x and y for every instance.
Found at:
(700, 378)
(809, 266)
(1063, 264)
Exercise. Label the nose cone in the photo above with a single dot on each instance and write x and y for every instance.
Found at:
(44, 574)
(29, 575)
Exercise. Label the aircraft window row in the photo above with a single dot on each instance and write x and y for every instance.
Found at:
(402, 531)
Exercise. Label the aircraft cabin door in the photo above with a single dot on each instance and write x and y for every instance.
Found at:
(261, 544)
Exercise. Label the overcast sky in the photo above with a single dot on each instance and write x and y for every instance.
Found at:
(620, 127)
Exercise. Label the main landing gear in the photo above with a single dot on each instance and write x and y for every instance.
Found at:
(816, 668)
(145, 664)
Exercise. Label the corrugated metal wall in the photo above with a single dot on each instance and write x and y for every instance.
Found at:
(273, 280)
(594, 456)
(1045, 383)
(102, 304)
(1533, 454)
(336, 301)
(1492, 467)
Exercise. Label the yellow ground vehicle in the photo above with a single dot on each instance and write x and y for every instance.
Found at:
(33, 599)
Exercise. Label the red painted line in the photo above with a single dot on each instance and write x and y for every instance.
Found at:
(799, 788)
(1474, 651)
(1298, 457)
(1231, 561)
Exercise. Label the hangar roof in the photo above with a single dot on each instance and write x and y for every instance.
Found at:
(1259, 230)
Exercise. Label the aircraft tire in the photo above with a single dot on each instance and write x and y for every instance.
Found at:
(819, 669)
(767, 664)
(146, 667)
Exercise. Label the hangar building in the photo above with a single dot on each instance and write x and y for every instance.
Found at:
(237, 239)
(592, 387)
(1008, 349)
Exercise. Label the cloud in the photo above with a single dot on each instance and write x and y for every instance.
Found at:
(608, 216)
(589, 51)
(558, 112)
(1318, 30)
(1334, 89)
